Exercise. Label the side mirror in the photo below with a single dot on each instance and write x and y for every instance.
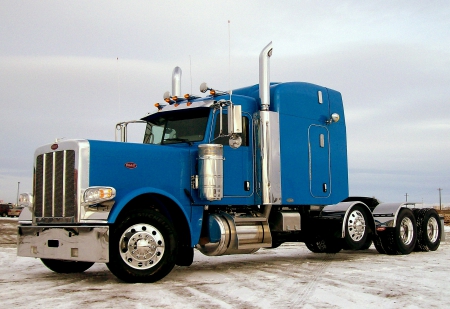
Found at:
(234, 119)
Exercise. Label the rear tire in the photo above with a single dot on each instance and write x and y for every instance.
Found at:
(429, 230)
(378, 244)
(402, 238)
(66, 267)
(356, 229)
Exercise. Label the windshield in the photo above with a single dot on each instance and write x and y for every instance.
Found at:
(184, 126)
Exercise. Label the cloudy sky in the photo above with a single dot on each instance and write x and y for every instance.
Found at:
(72, 69)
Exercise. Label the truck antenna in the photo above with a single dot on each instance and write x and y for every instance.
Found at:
(229, 59)
(118, 84)
(190, 71)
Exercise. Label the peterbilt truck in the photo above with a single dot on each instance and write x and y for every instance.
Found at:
(227, 173)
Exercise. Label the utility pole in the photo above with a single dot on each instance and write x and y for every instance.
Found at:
(440, 200)
(406, 197)
(18, 186)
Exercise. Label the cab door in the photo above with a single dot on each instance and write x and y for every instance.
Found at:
(238, 165)
(319, 161)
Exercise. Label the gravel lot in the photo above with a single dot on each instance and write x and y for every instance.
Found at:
(287, 277)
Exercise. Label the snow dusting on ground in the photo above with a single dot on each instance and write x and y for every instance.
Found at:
(287, 277)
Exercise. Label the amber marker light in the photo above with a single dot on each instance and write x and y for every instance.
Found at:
(187, 96)
(212, 92)
(189, 103)
(176, 104)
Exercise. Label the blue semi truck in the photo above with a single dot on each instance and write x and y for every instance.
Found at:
(227, 173)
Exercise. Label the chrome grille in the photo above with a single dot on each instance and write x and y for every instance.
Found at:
(55, 187)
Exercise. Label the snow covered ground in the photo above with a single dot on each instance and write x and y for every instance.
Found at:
(287, 277)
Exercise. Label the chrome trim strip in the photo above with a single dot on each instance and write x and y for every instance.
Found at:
(269, 157)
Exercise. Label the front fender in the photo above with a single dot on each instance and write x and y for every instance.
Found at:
(126, 197)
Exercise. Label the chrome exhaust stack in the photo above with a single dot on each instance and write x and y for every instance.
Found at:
(176, 82)
(264, 76)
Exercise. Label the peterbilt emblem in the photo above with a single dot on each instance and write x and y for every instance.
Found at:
(54, 146)
(130, 165)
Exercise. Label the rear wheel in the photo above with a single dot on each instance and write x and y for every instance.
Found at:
(402, 238)
(429, 230)
(356, 229)
(66, 267)
(143, 247)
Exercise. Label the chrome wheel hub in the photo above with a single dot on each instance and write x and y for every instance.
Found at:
(141, 246)
(406, 231)
(356, 225)
(432, 230)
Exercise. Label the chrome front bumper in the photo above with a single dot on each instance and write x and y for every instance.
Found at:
(71, 243)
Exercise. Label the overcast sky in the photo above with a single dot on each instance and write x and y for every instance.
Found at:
(72, 69)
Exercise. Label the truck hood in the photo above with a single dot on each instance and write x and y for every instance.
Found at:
(127, 165)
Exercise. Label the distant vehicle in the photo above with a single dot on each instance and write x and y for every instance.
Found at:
(15, 211)
(4, 209)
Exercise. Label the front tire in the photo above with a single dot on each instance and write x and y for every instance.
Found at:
(143, 247)
(66, 267)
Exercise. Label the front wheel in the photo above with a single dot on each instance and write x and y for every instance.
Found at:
(66, 267)
(142, 247)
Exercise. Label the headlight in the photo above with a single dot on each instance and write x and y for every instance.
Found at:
(26, 199)
(95, 195)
